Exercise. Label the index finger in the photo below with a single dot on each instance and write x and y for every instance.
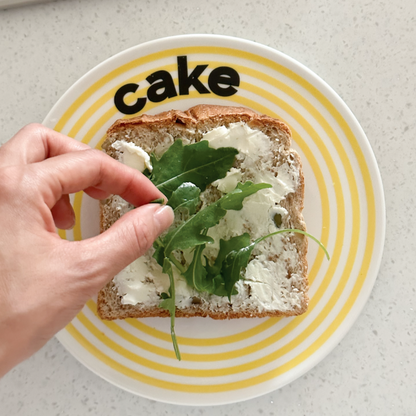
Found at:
(81, 170)
(34, 143)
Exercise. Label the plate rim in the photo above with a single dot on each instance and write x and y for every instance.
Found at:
(365, 147)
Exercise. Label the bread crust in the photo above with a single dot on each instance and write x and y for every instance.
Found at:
(149, 132)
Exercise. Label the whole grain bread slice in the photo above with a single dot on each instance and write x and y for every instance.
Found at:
(155, 133)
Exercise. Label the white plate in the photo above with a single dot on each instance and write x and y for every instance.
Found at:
(225, 362)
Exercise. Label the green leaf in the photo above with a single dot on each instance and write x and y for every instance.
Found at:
(147, 172)
(219, 287)
(212, 271)
(168, 303)
(226, 246)
(224, 286)
(202, 278)
(157, 201)
(197, 163)
(208, 278)
(188, 234)
(234, 199)
(192, 233)
(238, 258)
(185, 197)
(196, 273)
(159, 254)
(232, 265)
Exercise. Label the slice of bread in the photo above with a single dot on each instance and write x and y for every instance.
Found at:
(275, 280)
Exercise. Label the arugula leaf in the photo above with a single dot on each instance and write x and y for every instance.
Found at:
(233, 263)
(201, 279)
(219, 287)
(157, 201)
(196, 273)
(197, 163)
(238, 258)
(234, 199)
(215, 282)
(193, 233)
(226, 246)
(185, 196)
(159, 254)
(188, 234)
(168, 303)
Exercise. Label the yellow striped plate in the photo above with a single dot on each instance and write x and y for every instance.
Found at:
(224, 362)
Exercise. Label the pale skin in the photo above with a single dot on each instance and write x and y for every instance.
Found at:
(44, 280)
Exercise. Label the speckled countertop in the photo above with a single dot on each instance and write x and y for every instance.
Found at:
(367, 52)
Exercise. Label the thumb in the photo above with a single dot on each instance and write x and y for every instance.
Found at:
(126, 240)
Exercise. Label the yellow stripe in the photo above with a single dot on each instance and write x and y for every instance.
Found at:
(77, 209)
(62, 234)
(200, 342)
(135, 375)
(185, 357)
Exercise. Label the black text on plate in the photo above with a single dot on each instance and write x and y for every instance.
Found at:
(222, 81)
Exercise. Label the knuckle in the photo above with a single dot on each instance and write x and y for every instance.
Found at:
(19, 184)
(34, 128)
(95, 157)
(95, 153)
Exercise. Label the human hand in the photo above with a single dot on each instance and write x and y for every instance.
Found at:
(44, 280)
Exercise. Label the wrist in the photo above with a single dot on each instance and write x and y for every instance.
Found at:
(13, 346)
(9, 351)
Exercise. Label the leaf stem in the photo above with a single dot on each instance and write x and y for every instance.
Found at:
(169, 304)
(173, 336)
(295, 230)
(158, 201)
(176, 263)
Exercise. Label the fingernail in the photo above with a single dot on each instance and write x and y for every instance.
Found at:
(163, 217)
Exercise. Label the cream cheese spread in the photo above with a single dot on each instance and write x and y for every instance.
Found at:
(266, 284)
(143, 281)
(132, 155)
(228, 184)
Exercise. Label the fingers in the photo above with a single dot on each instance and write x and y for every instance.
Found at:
(63, 213)
(95, 172)
(73, 166)
(34, 143)
(127, 239)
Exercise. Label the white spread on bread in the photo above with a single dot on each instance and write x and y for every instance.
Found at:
(228, 184)
(266, 284)
(132, 155)
(247, 141)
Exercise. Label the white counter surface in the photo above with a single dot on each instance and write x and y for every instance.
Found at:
(366, 51)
